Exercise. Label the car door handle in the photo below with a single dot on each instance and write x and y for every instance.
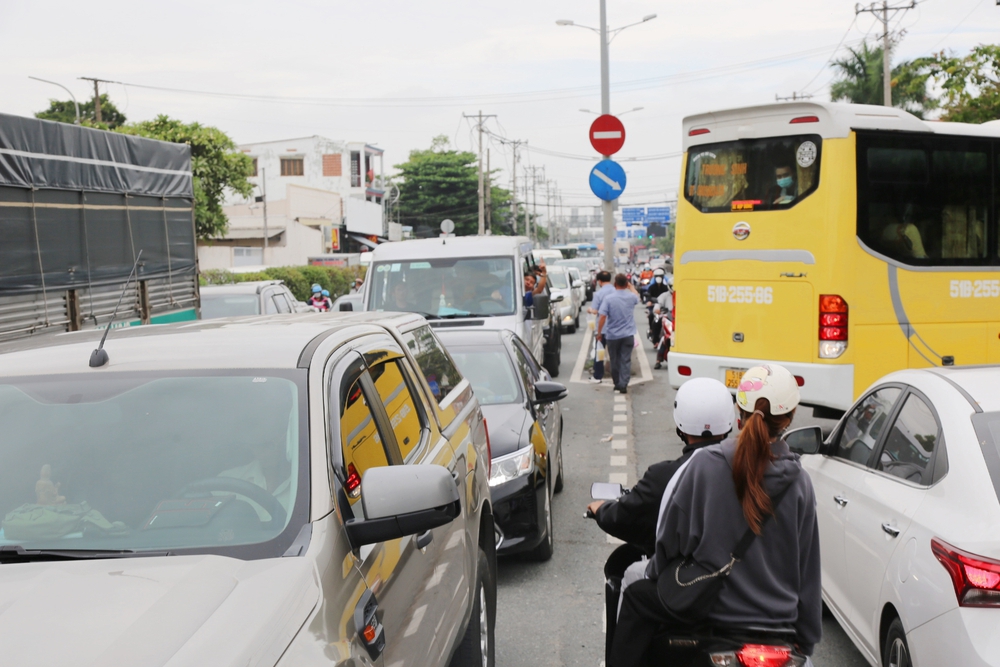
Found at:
(841, 500)
(891, 531)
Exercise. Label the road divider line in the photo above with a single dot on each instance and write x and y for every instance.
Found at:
(581, 358)
(620, 418)
(619, 430)
(618, 461)
(619, 444)
(618, 478)
(621, 407)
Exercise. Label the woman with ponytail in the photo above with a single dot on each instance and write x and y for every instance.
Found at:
(753, 482)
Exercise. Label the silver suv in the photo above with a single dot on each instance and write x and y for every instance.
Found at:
(259, 297)
(289, 491)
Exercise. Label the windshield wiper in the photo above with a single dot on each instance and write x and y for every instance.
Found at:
(18, 554)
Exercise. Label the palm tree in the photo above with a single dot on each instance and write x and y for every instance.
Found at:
(860, 81)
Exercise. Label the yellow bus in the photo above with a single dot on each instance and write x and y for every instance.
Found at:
(841, 241)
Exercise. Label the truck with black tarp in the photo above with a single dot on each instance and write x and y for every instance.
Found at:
(77, 205)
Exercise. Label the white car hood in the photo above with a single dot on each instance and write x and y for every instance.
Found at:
(176, 610)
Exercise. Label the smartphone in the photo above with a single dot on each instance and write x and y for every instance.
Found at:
(605, 491)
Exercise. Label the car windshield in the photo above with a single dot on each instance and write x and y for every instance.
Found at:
(126, 461)
(459, 287)
(228, 305)
(490, 372)
(557, 279)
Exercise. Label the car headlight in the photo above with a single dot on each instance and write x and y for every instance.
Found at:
(512, 466)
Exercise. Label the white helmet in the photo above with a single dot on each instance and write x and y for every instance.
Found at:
(703, 407)
(770, 381)
(658, 272)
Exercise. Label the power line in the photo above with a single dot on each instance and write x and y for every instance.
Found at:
(874, 10)
(957, 25)
(837, 49)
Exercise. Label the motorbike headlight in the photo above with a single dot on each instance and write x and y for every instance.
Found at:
(512, 466)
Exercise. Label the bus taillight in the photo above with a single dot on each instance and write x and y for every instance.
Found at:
(832, 326)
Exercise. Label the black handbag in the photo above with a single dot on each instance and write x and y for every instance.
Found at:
(688, 589)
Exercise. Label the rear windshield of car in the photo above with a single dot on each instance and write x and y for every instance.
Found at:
(557, 279)
(752, 174)
(142, 461)
(228, 305)
(454, 287)
(491, 373)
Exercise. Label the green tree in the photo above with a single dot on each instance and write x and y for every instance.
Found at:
(440, 183)
(860, 82)
(971, 83)
(665, 244)
(215, 165)
(64, 111)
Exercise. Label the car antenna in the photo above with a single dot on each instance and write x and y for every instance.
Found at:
(99, 357)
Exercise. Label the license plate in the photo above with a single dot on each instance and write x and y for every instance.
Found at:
(733, 376)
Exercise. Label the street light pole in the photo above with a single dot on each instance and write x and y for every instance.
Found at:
(607, 213)
(76, 105)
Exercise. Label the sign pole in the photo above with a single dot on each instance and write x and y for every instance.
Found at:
(606, 211)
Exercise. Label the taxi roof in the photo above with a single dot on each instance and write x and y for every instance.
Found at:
(832, 120)
(454, 246)
(269, 341)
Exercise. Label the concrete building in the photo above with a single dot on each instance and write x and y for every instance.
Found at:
(323, 196)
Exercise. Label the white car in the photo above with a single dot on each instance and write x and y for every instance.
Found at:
(566, 295)
(908, 498)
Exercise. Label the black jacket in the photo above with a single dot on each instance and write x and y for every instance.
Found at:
(632, 517)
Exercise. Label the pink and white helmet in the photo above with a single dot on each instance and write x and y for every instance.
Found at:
(770, 381)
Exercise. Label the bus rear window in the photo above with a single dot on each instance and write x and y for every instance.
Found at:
(753, 174)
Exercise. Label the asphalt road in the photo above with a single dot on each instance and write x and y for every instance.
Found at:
(552, 613)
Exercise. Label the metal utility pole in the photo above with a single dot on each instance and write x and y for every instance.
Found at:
(794, 97)
(607, 214)
(534, 204)
(489, 195)
(76, 105)
(482, 192)
(513, 191)
(875, 10)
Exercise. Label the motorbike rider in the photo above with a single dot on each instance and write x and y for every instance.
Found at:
(703, 413)
(327, 301)
(316, 300)
(658, 286)
(723, 490)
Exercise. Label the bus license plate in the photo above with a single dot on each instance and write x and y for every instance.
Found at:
(733, 376)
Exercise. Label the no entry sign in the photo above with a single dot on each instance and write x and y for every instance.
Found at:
(607, 135)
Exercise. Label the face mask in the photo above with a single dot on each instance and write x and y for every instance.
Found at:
(659, 279)
(785, 182)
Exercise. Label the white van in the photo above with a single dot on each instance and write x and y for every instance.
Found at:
(466, 281)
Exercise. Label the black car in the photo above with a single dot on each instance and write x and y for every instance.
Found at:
(524, 422)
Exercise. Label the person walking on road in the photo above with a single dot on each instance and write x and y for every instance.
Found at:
(616, 329)
(604, 287)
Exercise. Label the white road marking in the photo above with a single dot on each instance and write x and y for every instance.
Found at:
(619, 398)
(620, 418)
(618, 478)
(621, 407)
(619, 444)
(619, 430)
(617, 461)
(581, 358)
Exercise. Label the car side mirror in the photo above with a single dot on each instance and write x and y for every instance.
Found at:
(346, 305)
(540, 306)
(403, 500)
(558, 298)
(548, 392)
(577, 283)
(805, 440)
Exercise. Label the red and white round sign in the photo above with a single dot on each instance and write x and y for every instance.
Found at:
(607, 135)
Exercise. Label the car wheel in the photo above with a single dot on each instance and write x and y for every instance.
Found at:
(559, 480)
(477, 646)
(577, 320)
(896, 652)
(543, 551)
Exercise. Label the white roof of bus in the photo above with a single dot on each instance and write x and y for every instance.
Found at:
(834, 120)
(455, 246)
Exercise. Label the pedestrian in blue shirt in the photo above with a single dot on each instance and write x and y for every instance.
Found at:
(616, 329)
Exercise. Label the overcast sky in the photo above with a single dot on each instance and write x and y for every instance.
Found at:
(349, 62)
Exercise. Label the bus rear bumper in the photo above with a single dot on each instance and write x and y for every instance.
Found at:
(826, 385)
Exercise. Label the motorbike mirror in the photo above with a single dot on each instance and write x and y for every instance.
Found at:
(605, 491)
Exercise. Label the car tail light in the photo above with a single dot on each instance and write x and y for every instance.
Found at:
(976, 579)
(700, 130)
(489, 451)
(762, 655)
(684, 370)
(353, 482)
(804, 119)
(832, 326)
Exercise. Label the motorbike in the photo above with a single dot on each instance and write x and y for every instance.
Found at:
(666, 323)
(706, 645)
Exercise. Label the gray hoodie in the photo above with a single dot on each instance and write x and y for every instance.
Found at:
(778, 581)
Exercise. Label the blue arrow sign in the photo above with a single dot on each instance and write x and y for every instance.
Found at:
(607, 180)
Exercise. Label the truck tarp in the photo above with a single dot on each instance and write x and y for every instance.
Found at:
(78, 204)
